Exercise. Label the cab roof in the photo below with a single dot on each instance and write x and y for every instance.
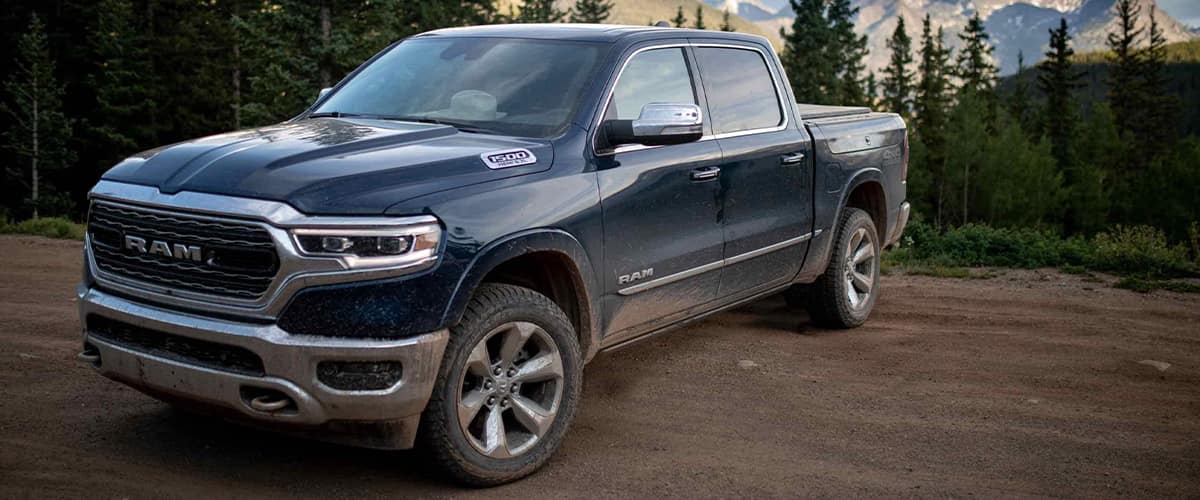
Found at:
(609, 33)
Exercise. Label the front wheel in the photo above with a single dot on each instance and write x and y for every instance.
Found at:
(844, 295)
(508, 387)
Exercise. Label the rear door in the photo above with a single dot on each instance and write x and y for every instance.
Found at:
(662, 237)
(766, 176)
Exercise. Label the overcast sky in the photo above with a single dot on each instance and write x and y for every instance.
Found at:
(1186, 11)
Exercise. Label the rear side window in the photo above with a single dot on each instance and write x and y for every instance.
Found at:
(659, 75)
(741, 95)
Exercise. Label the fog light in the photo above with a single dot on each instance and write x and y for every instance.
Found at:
(359, 375)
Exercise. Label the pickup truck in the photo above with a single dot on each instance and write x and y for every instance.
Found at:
(433, 250)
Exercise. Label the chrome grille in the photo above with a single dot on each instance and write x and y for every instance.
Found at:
(235, 260)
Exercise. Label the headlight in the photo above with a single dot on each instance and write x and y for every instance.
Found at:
(363, 246)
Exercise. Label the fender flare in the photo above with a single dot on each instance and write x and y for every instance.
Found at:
(819, 251)
(523, 243)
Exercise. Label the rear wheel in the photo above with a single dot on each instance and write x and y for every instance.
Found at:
(508, 387)
(844, 295)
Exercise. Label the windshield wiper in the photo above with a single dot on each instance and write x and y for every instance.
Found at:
(465, 127)
(333, 114)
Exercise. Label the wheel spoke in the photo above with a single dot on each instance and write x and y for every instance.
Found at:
(514, 340)
(856, 239)
(532, 416)
(862, 282)
(546, 366)
(479, 363)
(852, 294)
(469, 406)
(495, 442)
(865, 252)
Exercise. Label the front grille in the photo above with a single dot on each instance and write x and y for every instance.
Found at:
(182, 251)
(184, 349)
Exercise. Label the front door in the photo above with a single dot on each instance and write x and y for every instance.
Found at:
(662, 237)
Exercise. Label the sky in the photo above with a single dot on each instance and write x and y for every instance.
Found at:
(1186, 11)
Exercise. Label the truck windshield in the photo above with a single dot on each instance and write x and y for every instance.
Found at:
(516, 87)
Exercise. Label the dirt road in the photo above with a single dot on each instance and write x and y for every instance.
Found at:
(1031, 383)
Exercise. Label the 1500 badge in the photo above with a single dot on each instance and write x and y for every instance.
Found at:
(508, 158)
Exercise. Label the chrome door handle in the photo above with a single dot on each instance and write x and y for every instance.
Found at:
(792, 159)
(706, 173)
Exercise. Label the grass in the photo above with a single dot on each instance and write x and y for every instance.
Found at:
(1140, 255)
(1149, 285)
(50, 227)
(1139, 251)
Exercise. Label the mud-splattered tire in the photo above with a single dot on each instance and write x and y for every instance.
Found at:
(507, 389)
(844, 295)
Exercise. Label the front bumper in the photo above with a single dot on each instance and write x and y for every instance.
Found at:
(289, 368)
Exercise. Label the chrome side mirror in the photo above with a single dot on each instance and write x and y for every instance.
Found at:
(325, 91)
(658, 124)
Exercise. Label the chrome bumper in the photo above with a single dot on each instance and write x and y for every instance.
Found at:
(901, 222)
(289, 366)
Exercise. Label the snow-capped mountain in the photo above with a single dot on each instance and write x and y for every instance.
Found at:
(1014, 25)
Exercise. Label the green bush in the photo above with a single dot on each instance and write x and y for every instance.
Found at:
(50, 227)
(1140, 250)
(1147, 286)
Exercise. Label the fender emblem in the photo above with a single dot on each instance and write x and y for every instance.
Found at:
(626, 279)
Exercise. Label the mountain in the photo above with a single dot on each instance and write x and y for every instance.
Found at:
(1015, 25)
(643, 12)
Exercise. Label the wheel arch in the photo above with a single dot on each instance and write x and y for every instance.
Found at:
(549, 261)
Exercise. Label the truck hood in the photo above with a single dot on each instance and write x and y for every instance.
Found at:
(330, 165)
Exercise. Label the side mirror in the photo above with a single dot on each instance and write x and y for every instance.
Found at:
(325, 91)
(659, 124)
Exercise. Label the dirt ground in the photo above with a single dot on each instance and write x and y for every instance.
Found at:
(1032, 383)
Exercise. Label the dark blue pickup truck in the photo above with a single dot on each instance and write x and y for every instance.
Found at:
(438, 245)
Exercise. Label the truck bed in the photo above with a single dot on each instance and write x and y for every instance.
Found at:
(811, 111)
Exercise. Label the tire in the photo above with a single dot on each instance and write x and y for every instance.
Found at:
(841, 296)
(518, 332)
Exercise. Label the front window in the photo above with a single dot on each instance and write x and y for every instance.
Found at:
(508, 86)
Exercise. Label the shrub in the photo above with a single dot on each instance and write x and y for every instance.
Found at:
(51, 227)
(1140, 250)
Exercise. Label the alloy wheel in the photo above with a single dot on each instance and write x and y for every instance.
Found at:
(511, 389)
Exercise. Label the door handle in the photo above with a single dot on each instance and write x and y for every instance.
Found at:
(706, 174)
(792, 159)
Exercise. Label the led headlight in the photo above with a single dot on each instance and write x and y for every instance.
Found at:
(371, 246)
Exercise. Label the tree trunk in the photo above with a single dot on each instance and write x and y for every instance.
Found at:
(966, 189)
(326, 27)
(36, 152)
(237, 83)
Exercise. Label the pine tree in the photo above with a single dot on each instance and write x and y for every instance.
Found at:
(1160, 131)
(897, 77)
(540, 11)
(848, 49)
(930, 104)
(1057, 80)
(679, 20)
(1018, 103)
(1125, 65)
(591, 11)
(123, 83)
(38, 132)
(726, 25)
(806, 53)
(975, 68)
(871, 86)
(699, 17)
